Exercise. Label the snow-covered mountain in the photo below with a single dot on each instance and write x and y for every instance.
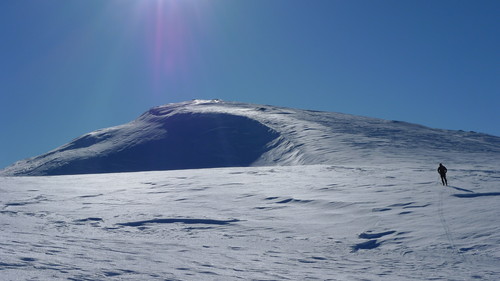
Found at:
(341, 198)
(214, 133)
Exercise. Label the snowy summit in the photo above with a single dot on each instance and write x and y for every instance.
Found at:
(213, 190)
(214, 133)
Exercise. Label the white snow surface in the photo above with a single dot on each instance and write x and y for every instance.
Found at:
(210, 134)
(308, 222)
(270, 194)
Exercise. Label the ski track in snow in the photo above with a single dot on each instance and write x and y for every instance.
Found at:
(320, 222)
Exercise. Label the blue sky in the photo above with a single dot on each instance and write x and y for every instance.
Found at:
(70, 67)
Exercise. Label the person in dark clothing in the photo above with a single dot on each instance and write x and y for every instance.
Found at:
(442, 172)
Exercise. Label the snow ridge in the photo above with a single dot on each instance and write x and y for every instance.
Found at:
(215, 133)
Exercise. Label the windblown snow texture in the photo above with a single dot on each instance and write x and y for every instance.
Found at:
(208, 134)
(308, 222)
(373, 210)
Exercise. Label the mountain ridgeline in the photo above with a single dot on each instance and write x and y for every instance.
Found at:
(213, 133)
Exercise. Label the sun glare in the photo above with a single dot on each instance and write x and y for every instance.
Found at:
(170, 27)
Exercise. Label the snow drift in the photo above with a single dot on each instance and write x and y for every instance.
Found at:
(209, 134)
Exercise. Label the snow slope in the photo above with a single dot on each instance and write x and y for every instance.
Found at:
(304, 195)
(310, 222)
(208, 134)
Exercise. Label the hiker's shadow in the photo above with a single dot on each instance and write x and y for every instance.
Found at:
(461, 189)
(473, 195)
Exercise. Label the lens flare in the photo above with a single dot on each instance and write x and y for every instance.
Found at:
(171, 28)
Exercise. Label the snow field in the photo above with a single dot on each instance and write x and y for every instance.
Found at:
(317, 222)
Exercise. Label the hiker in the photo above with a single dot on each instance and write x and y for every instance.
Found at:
(442, 172)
